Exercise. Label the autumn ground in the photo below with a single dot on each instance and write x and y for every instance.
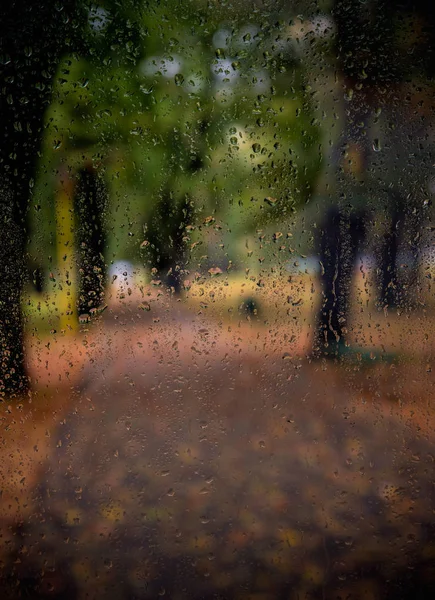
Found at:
(237, 401)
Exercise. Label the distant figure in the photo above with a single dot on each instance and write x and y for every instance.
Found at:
(250, 308)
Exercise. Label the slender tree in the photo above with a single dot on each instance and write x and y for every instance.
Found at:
(90, 207)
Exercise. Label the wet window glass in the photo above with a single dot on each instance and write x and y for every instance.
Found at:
(216, 303)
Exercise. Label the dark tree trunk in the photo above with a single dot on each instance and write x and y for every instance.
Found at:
(176, 272)
(167, 228)
(23, 99)
(13, 378)
(387, 269)
(399, 283)
(341, 236)
(342, 233)
(90, 206)
(166, 240)
(32, 38)
(412, 257)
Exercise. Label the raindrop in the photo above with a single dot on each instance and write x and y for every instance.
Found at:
(147, 89)
(377, 145)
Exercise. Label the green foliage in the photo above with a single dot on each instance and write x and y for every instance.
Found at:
(186, 100)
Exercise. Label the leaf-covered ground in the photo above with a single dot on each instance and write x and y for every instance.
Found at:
(191, 466)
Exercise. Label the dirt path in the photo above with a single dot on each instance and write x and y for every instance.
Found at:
(61, 367)
(181, 450)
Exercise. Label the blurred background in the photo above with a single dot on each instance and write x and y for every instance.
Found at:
(270, 160)
(217, 316)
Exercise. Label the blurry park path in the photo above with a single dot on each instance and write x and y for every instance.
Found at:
(215, 436)
(245, 398)
(63, 367)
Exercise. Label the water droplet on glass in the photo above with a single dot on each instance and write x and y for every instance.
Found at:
(146, 89)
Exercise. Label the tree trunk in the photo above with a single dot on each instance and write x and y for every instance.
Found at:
(399, 284)
(412, 246)
(388, 280)
(32, 36)
(90, 205)
(341, 236)
(13, 378)
(166, 233)
(20, 134)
